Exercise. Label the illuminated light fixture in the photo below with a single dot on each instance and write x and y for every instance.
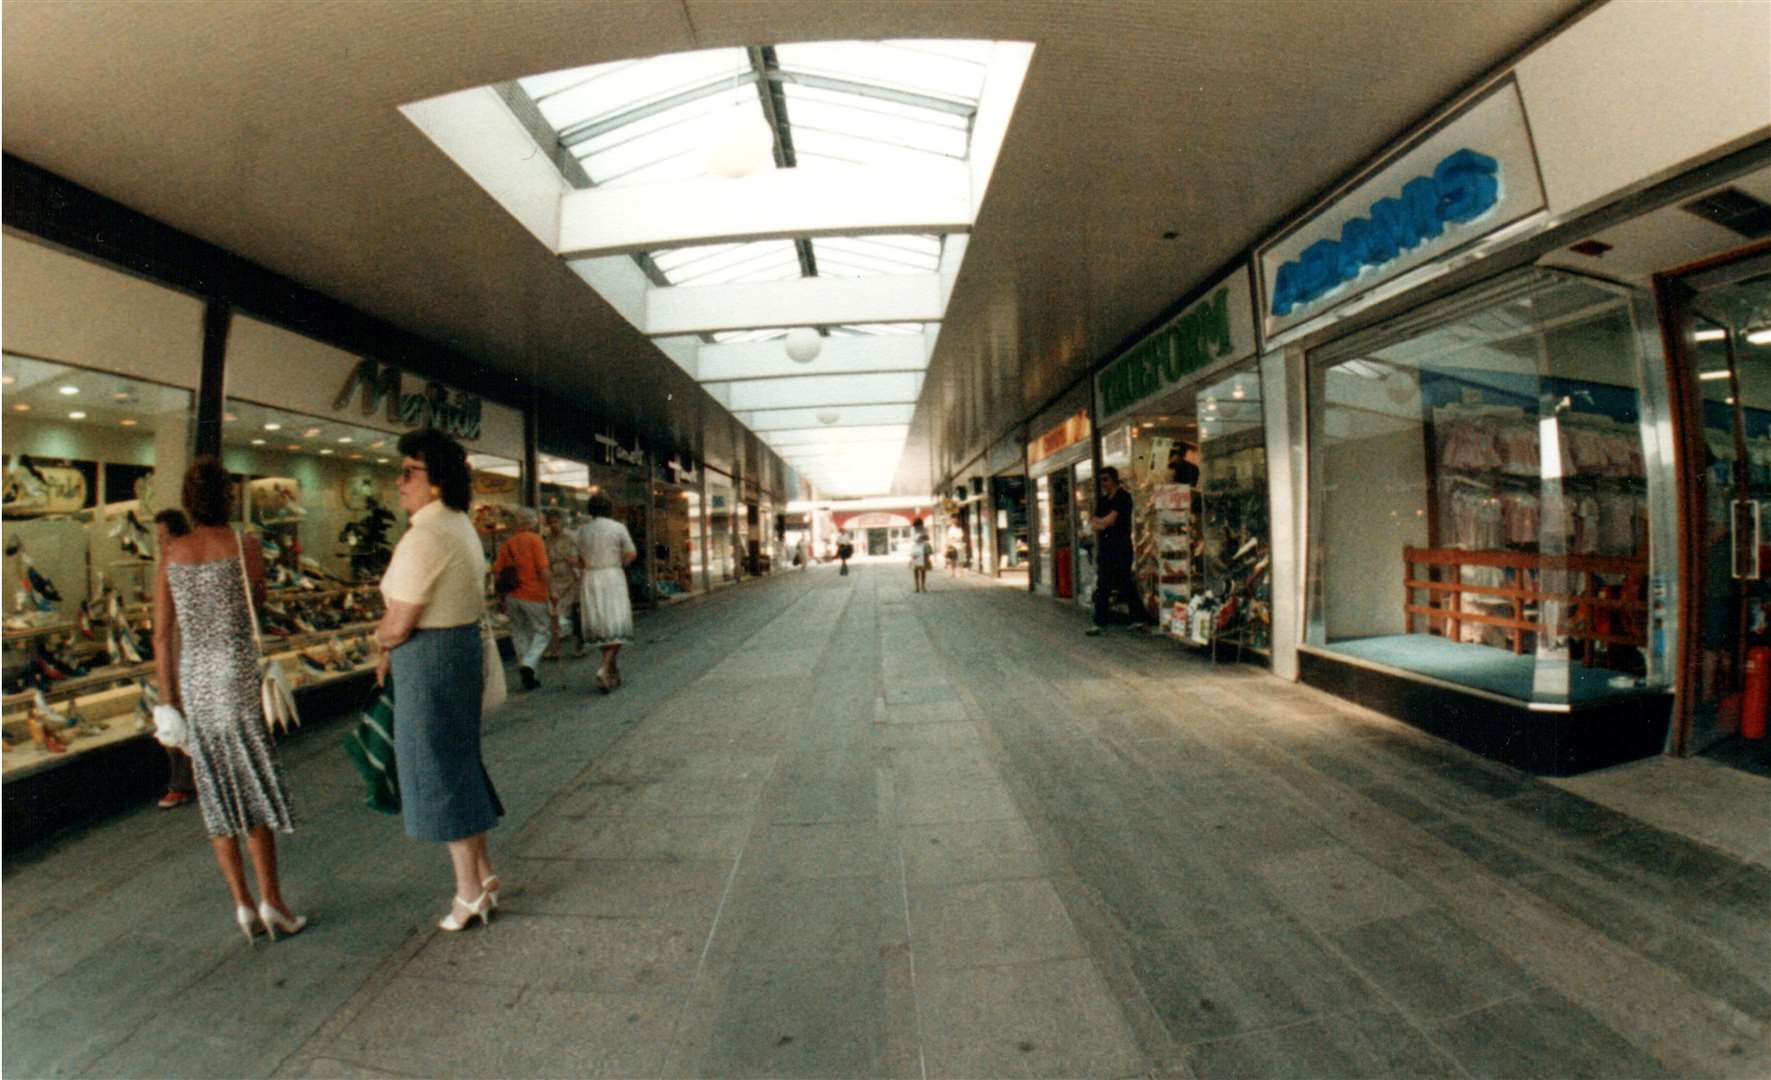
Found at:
(381, 461)
(257, 442)
(76, 415)
(803, 345)
(7, 380)
(226, 417)
(828, 417)
(356, 457)
(120, 395)
(69, 391)
(21, 407)
(1712, 376)
(273, 427)
(310, 433)
(1761, 336)
(345, 439)
(295, 446)
(378, 444)
(1238, 393)
(128, 421)
(1710, 335)
(326, 451)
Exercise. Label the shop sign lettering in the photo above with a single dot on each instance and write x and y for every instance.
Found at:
(451, 412)
(616, 454)
(1073, 430)
(1200, 335)
(1471, 178)
(1462, 187)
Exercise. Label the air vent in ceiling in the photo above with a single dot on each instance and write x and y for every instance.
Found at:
(1734, 209)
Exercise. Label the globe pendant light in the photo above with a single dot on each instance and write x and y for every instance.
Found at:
(828, 417)
(803, 345)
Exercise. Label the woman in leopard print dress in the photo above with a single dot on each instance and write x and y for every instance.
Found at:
(202, 590)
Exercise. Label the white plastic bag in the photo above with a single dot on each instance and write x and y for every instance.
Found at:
(170, 727)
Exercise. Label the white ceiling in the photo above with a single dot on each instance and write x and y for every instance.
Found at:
(273, 130)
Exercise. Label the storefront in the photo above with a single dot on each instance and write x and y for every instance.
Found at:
(1006, 490)
(725, 524)
(1530, 505)
(1182, 422)
(679, 557)
(1060, 462)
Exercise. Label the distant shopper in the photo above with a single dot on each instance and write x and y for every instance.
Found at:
(844, 552)
(563, 581)
(1114, 576)
(604, 551)
(430, 637)
(181, 786)
(922, 551)
(522, 562)
(952, 553)
(208, 669)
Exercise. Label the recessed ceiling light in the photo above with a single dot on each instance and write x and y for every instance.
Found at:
(345, 439)
(7, 380)
(76, 415)
(378, 444)
(1712, 376)
(295, 446)
(21, 407)
(273, 426)
(1760, 336)
(326, 451)
(1710, 335)
(257, 442)
(69, 391)
(128, 421)
(228, 418)
(120, 395)
(310, 433)
(381, 461)
(356, 457)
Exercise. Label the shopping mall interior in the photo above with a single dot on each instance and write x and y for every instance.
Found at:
(1164, 539)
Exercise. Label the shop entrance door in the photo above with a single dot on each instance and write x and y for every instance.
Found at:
(1723, 319)
(1084, 500)
(878, 542)
(1063, 565)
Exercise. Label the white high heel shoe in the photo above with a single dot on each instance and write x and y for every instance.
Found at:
(491, 886)
(275, 920)
(480, 909)
(249, 924)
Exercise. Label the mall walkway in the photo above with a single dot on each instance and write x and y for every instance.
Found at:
(834, 829)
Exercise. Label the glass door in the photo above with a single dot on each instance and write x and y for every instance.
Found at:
(1726, 334)
(1083, 497)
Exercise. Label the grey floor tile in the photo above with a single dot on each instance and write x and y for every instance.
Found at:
(965, 797)
(1333, 888)
(1496, 856)
(792, 852)
(664, 839)
(1429, 966)
(1055, 1018)
(564, 953)
(991, 922)
(970, 851)
(1239, 977)
(1542, 1035)
(1350, 1046)
(684, 894)
(786, 1019)
(842, 920)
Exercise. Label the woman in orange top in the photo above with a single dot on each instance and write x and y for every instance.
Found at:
(531, 626)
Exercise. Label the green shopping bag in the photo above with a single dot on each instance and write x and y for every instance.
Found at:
(371, 749)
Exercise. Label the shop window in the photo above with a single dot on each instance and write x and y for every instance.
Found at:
(1478, 494)
(676, 548)
(90, 457)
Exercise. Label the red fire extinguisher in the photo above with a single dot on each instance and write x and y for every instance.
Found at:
(1755, 692)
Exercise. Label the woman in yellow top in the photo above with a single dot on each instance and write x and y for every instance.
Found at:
(434, 587)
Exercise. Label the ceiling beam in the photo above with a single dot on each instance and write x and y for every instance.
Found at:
(930, 197)
(847, 416)
(808, 391)
(822, 301)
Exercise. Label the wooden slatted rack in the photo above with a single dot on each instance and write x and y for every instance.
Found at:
(1598, 614)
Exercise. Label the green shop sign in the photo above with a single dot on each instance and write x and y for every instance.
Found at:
(1213, 329)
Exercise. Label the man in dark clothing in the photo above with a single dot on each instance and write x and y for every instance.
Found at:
(1113, 560)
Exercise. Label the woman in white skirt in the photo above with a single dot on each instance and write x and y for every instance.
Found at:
(604, 551)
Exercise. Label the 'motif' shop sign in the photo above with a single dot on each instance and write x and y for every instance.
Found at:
(1217, 328)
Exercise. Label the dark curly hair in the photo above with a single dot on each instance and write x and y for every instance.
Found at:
(601, 506)
(445, 462)
(208, 492)
(175, 521)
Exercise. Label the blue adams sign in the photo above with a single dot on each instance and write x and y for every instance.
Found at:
(1463, 187)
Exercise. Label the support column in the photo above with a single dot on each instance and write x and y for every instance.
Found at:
(212, 382)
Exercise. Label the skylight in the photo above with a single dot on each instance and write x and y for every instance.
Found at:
(728, 201)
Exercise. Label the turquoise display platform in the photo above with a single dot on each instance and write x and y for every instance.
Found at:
(1482, 668)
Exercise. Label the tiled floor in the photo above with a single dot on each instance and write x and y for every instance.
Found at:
(831, 828)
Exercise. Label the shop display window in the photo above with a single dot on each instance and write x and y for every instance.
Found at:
(90, 457)
(676, 547)
(725, 524)
(1478, 494)
(1009, 493)
(1195, 465)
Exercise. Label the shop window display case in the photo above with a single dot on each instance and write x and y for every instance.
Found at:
(82, 485)
(1504, 545)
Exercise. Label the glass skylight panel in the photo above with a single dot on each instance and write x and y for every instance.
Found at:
(861, 256)
(901, 65)
(603, 91)
(805, 114)
(723, 336)
(879, 328)
(762, 260)
(811, 146)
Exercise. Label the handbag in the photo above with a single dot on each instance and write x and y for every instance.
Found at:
(275, 695)
(494, 691)
(507, 580)
(371, 750)
(170, 728)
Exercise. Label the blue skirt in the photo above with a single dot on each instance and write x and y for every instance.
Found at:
(445, 793)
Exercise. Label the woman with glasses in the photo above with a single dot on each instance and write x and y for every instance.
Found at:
(434, 588)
